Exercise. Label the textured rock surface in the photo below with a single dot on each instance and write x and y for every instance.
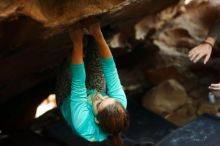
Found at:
(176, 30)
(34, 40)
(165, 98)
(153, 37)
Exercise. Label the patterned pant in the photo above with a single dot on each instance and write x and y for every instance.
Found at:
(94, 76)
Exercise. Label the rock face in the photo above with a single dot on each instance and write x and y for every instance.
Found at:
(165, 98)
(175, 31)
(170, 100)
(155, 36)
(184, 114)
(34, 40)
(56, 13)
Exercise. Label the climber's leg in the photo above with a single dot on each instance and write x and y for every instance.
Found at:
(94, 76)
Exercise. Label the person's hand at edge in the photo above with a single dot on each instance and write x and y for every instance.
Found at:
(215, 86)
(202, 50)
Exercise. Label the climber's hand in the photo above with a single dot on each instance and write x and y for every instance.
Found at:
(94, 29)
(76, 33)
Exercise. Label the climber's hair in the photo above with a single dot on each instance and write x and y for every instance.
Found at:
(113, 119)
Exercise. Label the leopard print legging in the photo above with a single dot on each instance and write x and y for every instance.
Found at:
(94, 76)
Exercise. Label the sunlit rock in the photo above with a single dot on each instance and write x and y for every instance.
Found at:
(46, 105)
(165, 98)
(183, 114)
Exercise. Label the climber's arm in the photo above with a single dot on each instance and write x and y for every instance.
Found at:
(103, 49)
(114, 87)
(77, 51)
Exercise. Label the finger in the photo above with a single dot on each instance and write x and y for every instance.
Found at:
(214, 88)
(190, 54)
(215, 85)
(207, 58)
(198, 58)
(193, 50)
(194, 57)
(193, 53)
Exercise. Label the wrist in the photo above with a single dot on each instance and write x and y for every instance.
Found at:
(209, 41)
(77, 45)
(97, 36)
(77, 38)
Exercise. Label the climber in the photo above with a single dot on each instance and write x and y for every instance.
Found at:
(204, 49)
(91, 113)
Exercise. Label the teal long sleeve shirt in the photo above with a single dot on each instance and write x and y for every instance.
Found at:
(77, 108)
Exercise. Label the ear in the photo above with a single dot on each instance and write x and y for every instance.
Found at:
(97, 122)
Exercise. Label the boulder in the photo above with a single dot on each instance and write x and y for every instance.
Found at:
(161, 74)
(205, 107)
(165, 98)
(34, 38)
(183, 115)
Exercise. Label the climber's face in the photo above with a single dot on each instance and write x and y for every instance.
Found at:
(100, 102)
